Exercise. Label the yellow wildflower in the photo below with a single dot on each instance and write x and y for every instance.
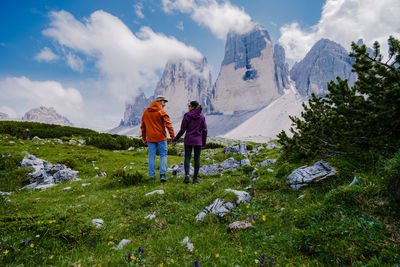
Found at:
(247, 206)
(217, 255)
(5, 252)
(110, 243)
(111, 237)
(32, 245)
(264, 218)
(133, 257)
(172, 260)
(51, 257)
(161, 264)
(295, 210)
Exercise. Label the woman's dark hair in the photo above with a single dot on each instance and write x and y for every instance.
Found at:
(195, 105)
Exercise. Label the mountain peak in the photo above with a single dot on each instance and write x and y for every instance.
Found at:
(46, 115)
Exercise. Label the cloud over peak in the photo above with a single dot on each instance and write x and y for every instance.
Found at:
(219, 18)
(345, 21)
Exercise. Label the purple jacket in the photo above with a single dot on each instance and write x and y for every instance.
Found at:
(194, 124)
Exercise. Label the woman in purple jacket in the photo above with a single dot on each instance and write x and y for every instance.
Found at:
(194, 124)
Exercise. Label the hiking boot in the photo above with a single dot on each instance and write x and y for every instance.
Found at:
(187, 179)
(163, 178)
(196, 180)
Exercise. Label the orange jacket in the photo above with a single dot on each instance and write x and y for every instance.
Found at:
(154, 121)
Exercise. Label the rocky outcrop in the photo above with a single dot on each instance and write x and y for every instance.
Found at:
(323, 63)
(247, 77)
(46, 115)
(310, 174)
(46, 174)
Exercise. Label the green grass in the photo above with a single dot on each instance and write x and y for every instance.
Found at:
(334, 224)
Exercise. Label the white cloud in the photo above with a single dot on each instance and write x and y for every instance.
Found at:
(180, 26)
(138, 10)
(74, 62)
(345, 21)
(219, 18)
(46, 55)
(22, 94)
(126, 61)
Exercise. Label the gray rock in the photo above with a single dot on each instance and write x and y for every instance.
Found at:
(272, 146)
(266, 162)
(306, 175)
(45, 173)
(218, 207)
(98, 223)
(188, 244)
(160, 192)
(238, 149)
(180, 169)
(122, 243)
(239, 225)
(5, 193)
(242, 195)
(210, 169)
(355, 181)
(281, 68)
(230, 164)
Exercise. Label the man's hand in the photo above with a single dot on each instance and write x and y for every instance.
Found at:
(144, 141)
(174, 143)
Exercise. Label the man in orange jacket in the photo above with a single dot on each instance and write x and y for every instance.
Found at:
(154, 122)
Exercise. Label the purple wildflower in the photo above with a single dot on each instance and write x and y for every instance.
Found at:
(29, 242)
(249, 216)
(138, 227)
(23, 243)
(234, 202)
(141, 250)
(262, 260)
(91, 244)
(254, 218)
(233, 216)
(129, 256)
(271, 261)
(125, 200)
(196, 263)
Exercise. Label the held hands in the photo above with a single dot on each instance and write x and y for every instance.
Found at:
(173, 143)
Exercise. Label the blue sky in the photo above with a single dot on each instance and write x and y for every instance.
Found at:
(87, 58)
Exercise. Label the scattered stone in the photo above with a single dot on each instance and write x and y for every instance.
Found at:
(83, 185)
(248, 187)
(255, 179)
(122, 243)
(218, 208)
(98, 223)
(301, 197)
(239, 225)
(230, 164)
(242, 195)
(44, 186)
(210, 169)
(270, 170)
(272, 146)
(238, 149)
(11, 142)
(152, 215)
(355, 181)
(101, 174)
(180, 169)
(266, 162)
(306, 175)
(5, 193)
(254, 171)
(189, 245)
(131, 148)
(67, 188)
(160, 192)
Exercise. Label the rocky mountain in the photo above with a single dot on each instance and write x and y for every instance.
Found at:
(4, 116)
(281, 68)
(247, 79)
(134, 110)
(323, 63)
(183, 81)
(46, 115)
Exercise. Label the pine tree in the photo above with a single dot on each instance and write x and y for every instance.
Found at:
(348, 119)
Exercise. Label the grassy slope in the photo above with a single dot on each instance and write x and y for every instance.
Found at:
(333, 224)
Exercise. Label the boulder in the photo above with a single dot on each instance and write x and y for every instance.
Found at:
(266, 162)
(310, 174)
(239, 225)
(238, 149)
(242, 195)
(98, 223)
(218, 207)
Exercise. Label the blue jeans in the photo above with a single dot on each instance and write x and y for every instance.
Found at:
(162, 150)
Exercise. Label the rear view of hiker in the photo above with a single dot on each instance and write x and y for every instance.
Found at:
(154, 122)
(194, 124)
